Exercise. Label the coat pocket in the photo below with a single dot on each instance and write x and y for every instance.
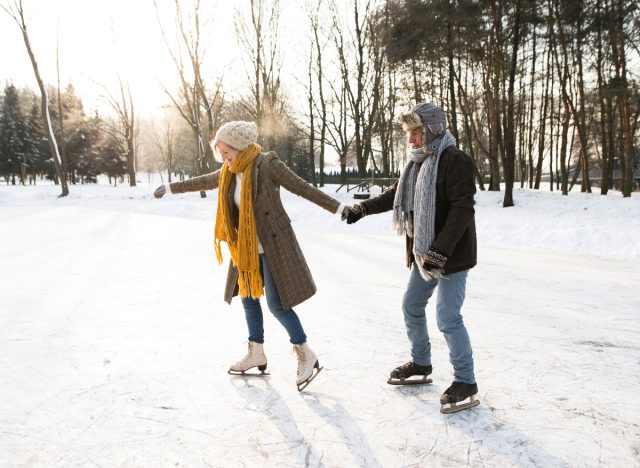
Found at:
(283, 221)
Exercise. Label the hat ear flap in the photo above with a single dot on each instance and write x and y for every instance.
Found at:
(436, 129)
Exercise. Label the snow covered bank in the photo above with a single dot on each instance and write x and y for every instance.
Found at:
(578, 224)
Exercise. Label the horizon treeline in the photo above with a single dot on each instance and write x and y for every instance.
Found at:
(537, 92)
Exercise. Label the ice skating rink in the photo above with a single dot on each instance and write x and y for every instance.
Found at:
(115, 343)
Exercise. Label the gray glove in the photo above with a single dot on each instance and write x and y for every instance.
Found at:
(160, 191)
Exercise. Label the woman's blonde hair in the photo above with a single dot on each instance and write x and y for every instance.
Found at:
(216, 150)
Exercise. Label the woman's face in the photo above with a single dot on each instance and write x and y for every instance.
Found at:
(227, 153)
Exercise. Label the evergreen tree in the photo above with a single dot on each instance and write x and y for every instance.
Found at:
(66, 126)
(83, 160)
(12, 135)
(112, 157)
(36, 144)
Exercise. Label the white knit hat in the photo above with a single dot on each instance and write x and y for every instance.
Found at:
(237, 134)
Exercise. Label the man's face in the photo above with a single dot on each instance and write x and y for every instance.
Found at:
(415, 137)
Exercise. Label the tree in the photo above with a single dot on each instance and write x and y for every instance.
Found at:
(36, 143)
(12, 135)
(112, 160)
(258, 35)
(193, 101)
(16, 12)
(126, 125)
(67, 112)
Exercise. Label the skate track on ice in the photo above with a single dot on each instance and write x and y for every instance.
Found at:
(115, 344)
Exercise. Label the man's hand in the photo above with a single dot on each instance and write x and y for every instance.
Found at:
(434, 260)
(354, 213)
(160, 191)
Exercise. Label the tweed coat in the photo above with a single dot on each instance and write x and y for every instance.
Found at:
(455, 226)
(281, 249)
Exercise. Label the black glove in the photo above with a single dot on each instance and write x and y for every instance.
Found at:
(355, 213)
(434, 260)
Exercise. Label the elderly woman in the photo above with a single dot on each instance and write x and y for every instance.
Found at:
(265, 256)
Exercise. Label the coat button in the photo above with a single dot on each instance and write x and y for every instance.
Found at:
(266, 213)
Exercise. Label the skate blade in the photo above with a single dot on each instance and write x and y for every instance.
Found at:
(422, 381)
(249, 374)
(305, 384)
(449, 408)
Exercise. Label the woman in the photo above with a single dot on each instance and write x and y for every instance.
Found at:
(265, 255)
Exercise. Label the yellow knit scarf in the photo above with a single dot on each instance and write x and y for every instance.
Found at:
(243, 243)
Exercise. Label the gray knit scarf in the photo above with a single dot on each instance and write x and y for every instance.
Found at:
(414, 206)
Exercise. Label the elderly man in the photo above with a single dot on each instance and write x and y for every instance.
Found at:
(433, 207)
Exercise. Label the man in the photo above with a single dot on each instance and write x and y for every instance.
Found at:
(433, 207)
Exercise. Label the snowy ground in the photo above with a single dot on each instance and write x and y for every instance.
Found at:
(115, 341)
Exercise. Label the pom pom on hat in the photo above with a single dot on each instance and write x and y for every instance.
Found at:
(237, 134)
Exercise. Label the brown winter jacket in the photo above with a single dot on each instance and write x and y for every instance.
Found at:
(281, 249)
(455, 222)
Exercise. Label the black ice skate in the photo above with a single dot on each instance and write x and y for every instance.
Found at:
(401, 375)
(459, 396)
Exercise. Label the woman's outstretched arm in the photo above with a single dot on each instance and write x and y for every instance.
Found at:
(204, 182)
(294, 184)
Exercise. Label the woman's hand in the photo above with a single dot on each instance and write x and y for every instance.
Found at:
(354, 213)
(160, 191)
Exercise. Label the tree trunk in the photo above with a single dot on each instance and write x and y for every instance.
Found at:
(452, 92)
(543, 122)
(312, 131)
(509, 128)
(44, 106)
(604, 149)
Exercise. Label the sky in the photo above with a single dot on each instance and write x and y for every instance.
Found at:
(100, 40)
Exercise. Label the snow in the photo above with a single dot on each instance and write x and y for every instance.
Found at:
(115, 339)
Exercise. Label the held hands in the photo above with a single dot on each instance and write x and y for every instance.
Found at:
(434, 260)
(160, 191)
(354, 213)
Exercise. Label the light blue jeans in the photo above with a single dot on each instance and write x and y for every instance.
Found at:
(287, 317)
(451, 292)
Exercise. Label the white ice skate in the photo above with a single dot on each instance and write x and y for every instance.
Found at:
(308, 365)
(255, 358)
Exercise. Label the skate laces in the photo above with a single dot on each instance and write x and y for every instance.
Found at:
(248, 355)
(407, 366)
(456, 389)
(301, 357)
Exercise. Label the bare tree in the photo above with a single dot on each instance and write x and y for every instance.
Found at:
(340, 138)
(197, 106)
(126, 128)
(165, 142)
(311, 115)
(259, 37)
(16, 12)
(360, 57)
(322, 104)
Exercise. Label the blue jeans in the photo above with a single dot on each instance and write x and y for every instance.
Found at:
(451, 292)
(287, 317)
